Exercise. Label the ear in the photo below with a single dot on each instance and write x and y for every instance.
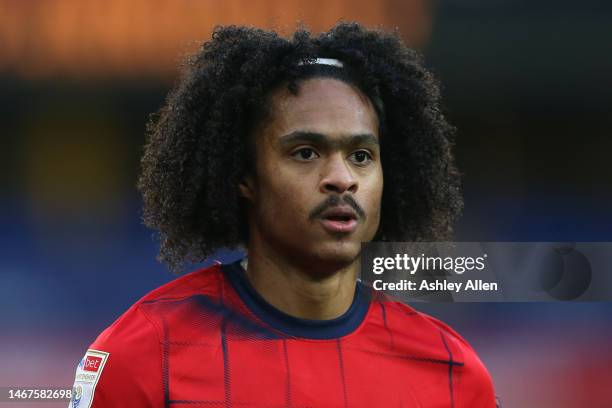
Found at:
(247, 188)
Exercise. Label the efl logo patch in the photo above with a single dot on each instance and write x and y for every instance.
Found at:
(88, 373)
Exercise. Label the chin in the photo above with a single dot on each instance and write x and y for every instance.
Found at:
(323, 258)
(338, 253)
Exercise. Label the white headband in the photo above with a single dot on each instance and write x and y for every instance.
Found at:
(324, 61)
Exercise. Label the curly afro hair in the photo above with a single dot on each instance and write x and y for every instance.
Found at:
(199, 146)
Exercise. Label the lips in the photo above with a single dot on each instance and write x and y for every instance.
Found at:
(339, 219)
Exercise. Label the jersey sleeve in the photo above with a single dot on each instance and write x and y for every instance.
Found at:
(473, 383)
(123, 367)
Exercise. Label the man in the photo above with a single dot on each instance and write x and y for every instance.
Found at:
(282, 146)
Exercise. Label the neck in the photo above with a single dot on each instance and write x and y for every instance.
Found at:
(304, 291)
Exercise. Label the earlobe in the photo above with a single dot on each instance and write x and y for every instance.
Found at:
(246, 188)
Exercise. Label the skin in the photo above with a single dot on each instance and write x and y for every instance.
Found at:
(318, 145)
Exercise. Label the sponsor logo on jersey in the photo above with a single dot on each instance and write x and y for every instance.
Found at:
(87, 375)
(92, 363)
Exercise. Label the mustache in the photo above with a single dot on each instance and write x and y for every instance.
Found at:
(335, 201)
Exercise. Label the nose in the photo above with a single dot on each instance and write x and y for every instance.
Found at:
(338, 177)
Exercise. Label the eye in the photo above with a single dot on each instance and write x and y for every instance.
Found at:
(305, 154)
(361, 157)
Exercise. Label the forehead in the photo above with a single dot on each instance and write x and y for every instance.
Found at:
(322, 105)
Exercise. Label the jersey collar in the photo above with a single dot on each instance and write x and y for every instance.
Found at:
(294, 326)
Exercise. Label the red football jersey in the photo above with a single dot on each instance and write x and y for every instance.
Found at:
(208, 339)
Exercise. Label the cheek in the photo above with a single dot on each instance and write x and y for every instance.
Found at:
(374, 198)
(280, 198)
(373, 186)
(374, 210)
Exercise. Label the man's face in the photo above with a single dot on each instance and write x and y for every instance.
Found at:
(317, 190)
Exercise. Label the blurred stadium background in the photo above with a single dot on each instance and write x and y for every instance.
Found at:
(528, 84)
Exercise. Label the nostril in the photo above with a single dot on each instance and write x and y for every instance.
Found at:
(331, 187)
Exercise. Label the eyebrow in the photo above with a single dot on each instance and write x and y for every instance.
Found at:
(323, 140)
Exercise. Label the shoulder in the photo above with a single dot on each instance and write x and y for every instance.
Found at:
(138, 323)
(124, 365)
(473, 383)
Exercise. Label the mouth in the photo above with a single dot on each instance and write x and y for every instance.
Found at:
(339, 220)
